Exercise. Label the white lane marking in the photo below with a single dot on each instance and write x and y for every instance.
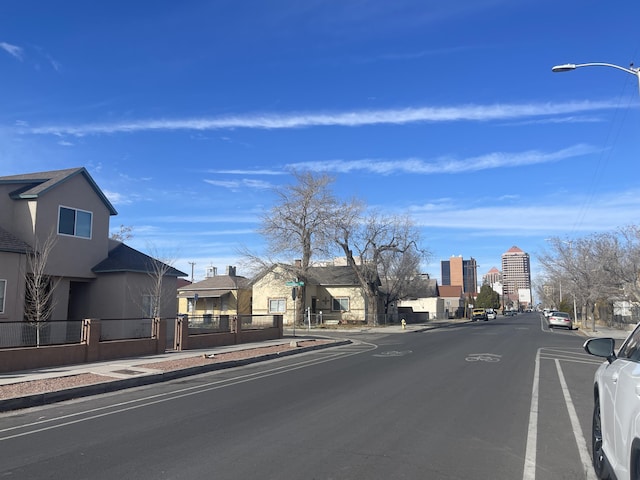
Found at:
(483, 357)
(529, 472)
(174, 394)
(575, 424)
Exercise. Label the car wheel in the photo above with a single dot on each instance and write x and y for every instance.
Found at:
(599, 461)
(635, 466)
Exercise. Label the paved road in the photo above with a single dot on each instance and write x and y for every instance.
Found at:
(504, 399)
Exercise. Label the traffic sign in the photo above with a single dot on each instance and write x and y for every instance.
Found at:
(294, 284)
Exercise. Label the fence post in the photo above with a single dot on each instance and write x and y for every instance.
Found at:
(91, 338)
(159, 334)
(236, 328)
(181, 337)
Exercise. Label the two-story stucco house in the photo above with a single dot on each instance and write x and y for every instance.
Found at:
(331, 293)
(94, 276)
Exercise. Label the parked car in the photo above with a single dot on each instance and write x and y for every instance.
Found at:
(478, 314)
(615, 435)
(560, 319)
(509, 313)
(491, 314)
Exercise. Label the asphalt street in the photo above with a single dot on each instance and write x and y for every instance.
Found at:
(504, 399)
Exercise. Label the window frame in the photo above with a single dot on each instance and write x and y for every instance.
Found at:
(338, 301)
(630, 350)
(282, 300)
(78, 224)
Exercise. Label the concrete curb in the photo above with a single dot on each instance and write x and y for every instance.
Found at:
(46, 398)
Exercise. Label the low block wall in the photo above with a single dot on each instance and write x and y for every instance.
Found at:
(16, 359)
(93, 350)
(185, 341)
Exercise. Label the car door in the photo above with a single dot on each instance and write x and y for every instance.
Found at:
(626, 404)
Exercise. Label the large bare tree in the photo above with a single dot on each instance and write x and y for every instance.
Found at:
(297, 226)
(374, 243)
(577, 269)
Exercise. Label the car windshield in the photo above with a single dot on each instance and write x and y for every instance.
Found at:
(561, 314)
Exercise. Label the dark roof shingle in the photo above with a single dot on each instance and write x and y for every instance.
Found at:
(41, 182)
(10, 243)
(123, 258)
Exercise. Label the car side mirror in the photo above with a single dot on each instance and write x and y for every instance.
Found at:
(601, 347)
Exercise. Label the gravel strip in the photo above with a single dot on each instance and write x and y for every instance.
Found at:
(47, 385)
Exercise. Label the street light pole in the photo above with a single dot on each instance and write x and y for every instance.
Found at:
(567, 67)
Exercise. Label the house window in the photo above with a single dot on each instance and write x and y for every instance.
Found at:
(74, 222)
(277, 305)
(340, 304)
(3, 289)
(150, 307)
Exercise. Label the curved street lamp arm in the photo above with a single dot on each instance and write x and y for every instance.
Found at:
(635, 71)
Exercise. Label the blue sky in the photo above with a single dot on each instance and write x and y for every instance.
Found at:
(188, 113)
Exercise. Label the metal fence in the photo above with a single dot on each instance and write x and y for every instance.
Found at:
(227, 323)
(37, 334)
(125, 328)
(208, 324)
(257, 322)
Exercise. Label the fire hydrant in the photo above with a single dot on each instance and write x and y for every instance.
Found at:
(403, 323)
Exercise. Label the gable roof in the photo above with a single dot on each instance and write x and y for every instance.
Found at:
(218, 282)
(41, 182)
(342, 275)
(123, 258)
(10, 243)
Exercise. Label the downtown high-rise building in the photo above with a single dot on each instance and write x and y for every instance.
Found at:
(460, 273)
(516, 277)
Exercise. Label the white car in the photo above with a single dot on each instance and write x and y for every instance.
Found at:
(491, 314)
(615, 436)
(560, 319)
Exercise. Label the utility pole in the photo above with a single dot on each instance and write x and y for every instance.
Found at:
(192, 264)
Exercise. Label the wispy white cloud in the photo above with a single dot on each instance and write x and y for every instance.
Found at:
(546, 215)
(446, 165)
(117, 198)
(356, 118)
(249, 172)
(239, 184)
(13, 50)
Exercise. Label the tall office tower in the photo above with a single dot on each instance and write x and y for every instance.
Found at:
(516, 277)
(492, 276)
(460, 273)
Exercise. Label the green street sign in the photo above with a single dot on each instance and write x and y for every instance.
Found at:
(294, 284)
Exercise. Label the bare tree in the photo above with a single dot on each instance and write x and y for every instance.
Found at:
(124, 233)
(39, 286)
(400, 272)
(297, 226)
(577, 269)
(155, 298)
(369, 243)
(618, 255)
